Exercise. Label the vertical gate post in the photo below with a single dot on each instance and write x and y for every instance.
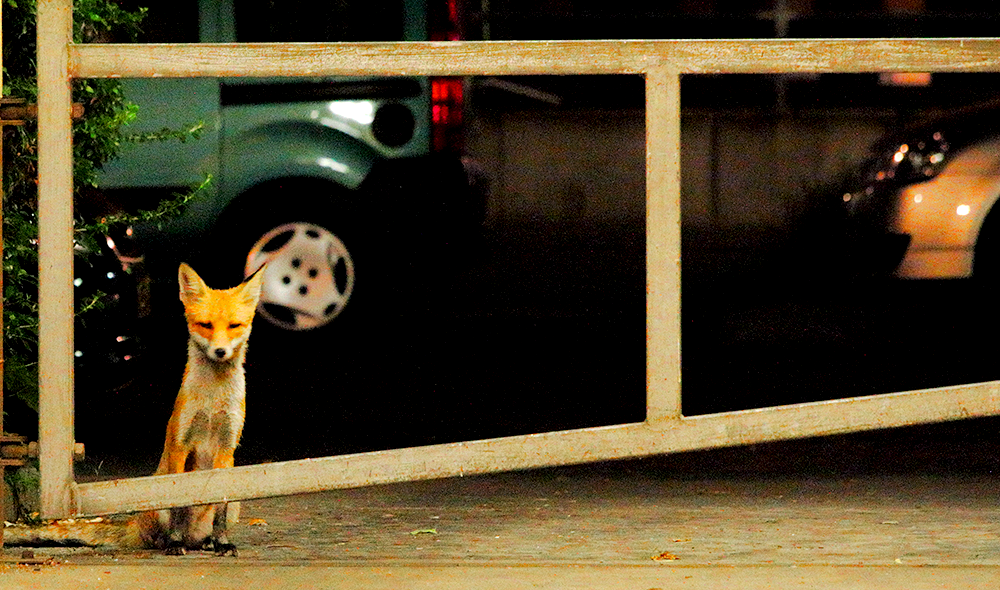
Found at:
(55, 258)
(663, 244)
(1, 257)
(3, 491)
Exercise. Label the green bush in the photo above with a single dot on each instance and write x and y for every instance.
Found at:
(97, 138)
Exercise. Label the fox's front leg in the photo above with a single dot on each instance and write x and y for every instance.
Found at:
(180, 519)
(220, 538)
(173, 461)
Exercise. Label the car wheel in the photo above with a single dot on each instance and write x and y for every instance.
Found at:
(302, 231)
(405, 246)
(309, 276)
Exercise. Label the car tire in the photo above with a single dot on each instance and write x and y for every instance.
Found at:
(404, 232)
(307, 233)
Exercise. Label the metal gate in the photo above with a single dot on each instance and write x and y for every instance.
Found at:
(665, 429)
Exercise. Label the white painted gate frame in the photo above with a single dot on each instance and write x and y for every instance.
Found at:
(665, 429)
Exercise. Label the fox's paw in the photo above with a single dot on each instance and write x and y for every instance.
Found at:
(224, 549)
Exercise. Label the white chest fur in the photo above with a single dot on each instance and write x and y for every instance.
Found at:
(214, 394)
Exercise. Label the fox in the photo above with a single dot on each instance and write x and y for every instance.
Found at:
(208, 415)
(202, 432)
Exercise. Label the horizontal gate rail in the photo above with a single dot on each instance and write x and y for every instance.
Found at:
(501, 58)
(665, 430)
(541, 450)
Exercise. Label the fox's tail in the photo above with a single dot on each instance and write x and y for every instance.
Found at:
(146, 530)
(95, 532)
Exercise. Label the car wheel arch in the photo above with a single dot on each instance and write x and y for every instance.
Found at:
(292, 149)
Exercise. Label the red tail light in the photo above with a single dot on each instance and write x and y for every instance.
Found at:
(443, 20)
(444, 24)
(446, 114)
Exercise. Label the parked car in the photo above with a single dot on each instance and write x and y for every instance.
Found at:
(347, 188)
(924, 205)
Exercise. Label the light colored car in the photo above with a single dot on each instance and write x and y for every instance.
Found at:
(924, 203)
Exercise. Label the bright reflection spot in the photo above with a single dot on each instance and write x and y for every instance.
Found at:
(918, 198)
(333, 165)
(936, 158)
(362, 111)
(110, 242)
(898, 156)
(905, 78)
(110, 275)
(78, 353)
(963, 210)
(120, 339)
(77, 282)
(847, 197)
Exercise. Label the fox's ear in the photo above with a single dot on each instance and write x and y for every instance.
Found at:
(250, 288)
(192, 287)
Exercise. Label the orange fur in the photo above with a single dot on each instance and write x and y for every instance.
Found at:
(208, 415)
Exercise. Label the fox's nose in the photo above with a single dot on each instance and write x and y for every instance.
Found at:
(220, 352)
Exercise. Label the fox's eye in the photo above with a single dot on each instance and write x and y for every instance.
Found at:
(206, 325)
(233, 326)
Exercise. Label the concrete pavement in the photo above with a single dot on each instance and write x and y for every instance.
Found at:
(636, 524)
